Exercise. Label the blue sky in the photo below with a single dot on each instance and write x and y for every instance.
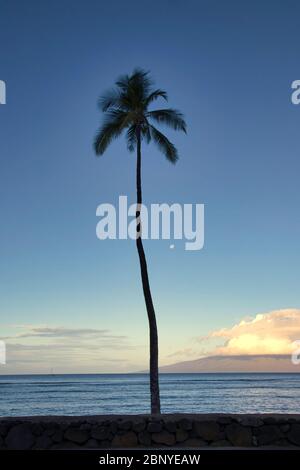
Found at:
(229, 67)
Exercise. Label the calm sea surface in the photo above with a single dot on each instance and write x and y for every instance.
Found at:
(97, 394)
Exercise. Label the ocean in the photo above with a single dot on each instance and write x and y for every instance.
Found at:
(30, 395)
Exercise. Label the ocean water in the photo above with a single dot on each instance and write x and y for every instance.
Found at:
(129, 394)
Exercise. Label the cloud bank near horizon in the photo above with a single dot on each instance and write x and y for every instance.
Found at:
(274, 332)
(270, 333)
(41, 348)
(44, 349)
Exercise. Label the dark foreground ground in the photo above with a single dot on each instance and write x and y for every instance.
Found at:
(145, 431)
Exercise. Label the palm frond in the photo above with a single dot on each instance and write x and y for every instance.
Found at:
(170, 117)
(142, 79)
(166, 147)
(115, 123)
(138, 88)
(122, 82)
(154, 95)
(145, 130)
(110, 99)
(131, 138)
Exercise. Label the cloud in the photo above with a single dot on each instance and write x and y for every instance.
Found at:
(64, 332)
(267, 333)
(61, 332)
(39, 349)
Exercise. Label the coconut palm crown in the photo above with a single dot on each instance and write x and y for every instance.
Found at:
(126, 107)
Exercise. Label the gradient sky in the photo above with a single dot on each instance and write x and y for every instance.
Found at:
(229, 67)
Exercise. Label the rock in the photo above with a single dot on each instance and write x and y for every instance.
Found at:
(57, 436)
(194, 442)
(285, 428)
(270, 420)
(51, 429)
(3, 430)
(292, 420)
(221, 443)
(170, 426)
(181, 435)
(224, 420)
(36, 429)
(267, 434)
(144, 438)
(76, 435)
(294, 434)
(154, 426)
(113, 427)
(185, 424)
(100, 433)
(85, 427)
(253, 421)
(104, 444)
(163, 437)
(281, 443)
(282, 420)
(139, 426)
(128, 439)
(238, 435)
(125, 425)
(11, 424)
(20, 437)
(91, 444)
(43, 442)
(208, 430)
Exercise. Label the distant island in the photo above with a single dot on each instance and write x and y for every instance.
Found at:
(239, 363)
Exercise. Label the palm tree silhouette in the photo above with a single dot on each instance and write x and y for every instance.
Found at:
(126, 107)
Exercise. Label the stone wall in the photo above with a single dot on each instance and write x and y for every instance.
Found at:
(145, 431)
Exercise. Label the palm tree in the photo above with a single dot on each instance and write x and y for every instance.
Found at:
(126, 108)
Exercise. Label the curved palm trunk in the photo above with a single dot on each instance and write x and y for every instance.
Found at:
(154, 381)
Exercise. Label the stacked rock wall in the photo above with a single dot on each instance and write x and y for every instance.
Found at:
(180, 431)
